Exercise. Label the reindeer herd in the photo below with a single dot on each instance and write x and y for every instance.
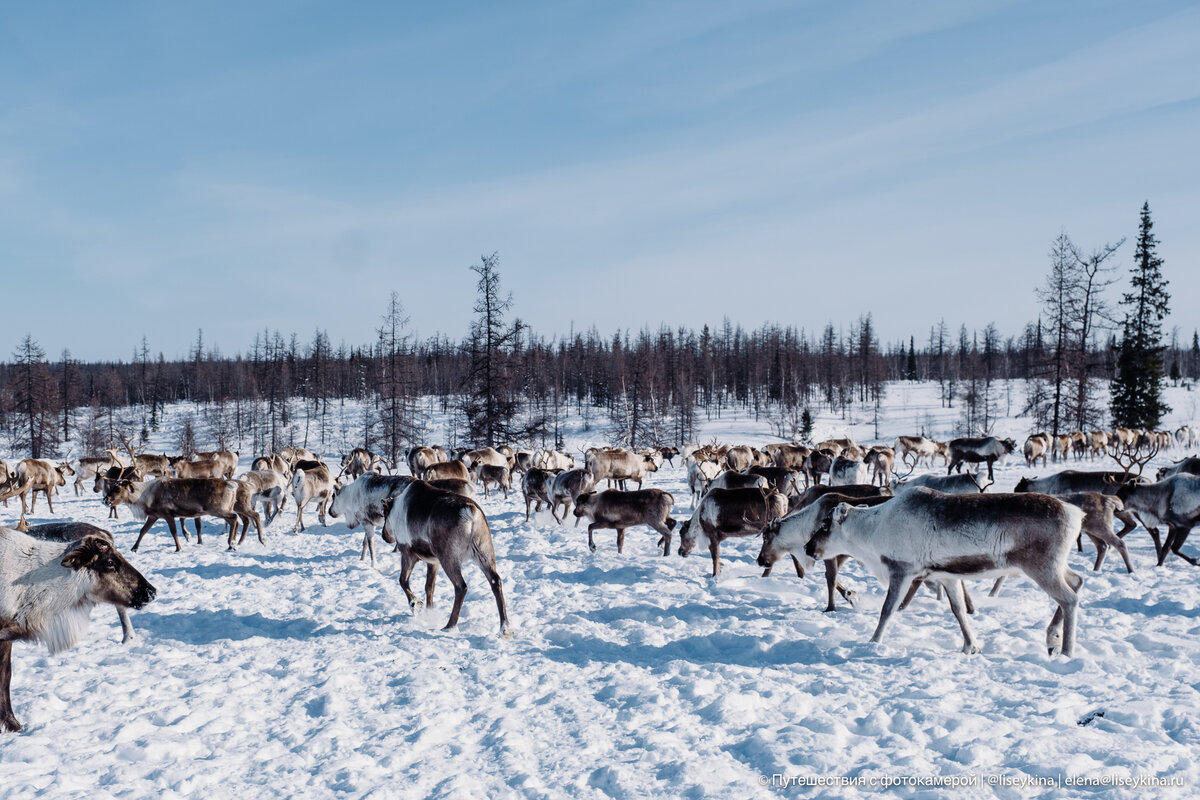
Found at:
(830, 502)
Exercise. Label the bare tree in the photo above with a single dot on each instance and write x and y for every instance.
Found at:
(1072, 298)
(1090, 311)
(490, 408)
(397, 396)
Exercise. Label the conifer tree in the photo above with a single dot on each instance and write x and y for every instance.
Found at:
(1137, 389)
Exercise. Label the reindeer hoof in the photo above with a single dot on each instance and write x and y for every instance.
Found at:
(971, 649)
(10, 725)
(506, 633)
(592, 547)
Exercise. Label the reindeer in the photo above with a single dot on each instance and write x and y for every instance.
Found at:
(47, 592)
(928, 535)
(169, 499)
(311, 481)
(446, 530)
(37, 475)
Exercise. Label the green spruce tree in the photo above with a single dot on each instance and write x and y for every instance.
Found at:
(1137, 389)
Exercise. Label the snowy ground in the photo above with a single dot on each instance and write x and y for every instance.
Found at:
(295, 670)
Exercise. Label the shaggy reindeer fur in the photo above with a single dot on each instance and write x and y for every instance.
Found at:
(48, 590)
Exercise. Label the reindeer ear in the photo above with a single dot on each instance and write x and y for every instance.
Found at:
(841, 512)
(87, 550)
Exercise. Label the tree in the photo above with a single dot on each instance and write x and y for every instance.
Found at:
(1137, 388)
(1088, 312)
(35, 398)
(1074, 306)
(910, 366)
(806, 425)
(1194, 361)
(397, 395)
(490, 407)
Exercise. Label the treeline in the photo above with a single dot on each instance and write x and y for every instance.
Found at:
(641, 387)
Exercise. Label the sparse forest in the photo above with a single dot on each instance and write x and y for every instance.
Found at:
(508, 382)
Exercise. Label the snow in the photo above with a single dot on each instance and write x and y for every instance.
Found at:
(296, 670)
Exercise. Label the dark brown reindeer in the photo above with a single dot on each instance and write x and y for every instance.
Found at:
(620, 510)
(170, 499)
(444, 530)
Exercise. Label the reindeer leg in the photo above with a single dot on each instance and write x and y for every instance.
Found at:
(407, 562)
(1124, 551)
(1180, 535)
(799, 569)
(1064, 590)
(714, 549)
(1160, 549)
(145, 527)
(591, 542)
(493, 579)
(431, 571)
(968, 603)
(126, 626)
(898, 585)
(847, 594)
(664, 539)
(955, 591)
(174, 535)
(1101, 551)
(831, 571)
(8, 721)
(454, 574)
(912, 592)
(620, 540)
(996, 586)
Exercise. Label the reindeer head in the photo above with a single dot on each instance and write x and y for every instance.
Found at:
(114, 579)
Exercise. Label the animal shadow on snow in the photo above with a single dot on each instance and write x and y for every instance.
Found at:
(1134, 605)
(719, 647)
(207, 627)
(236, 570)
(596, 574)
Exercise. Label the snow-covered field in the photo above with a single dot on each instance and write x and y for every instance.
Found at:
(296, 670)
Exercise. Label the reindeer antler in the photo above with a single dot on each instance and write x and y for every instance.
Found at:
(1128, 457)
(129, 449)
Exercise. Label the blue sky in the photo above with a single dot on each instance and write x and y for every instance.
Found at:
(239, 166)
